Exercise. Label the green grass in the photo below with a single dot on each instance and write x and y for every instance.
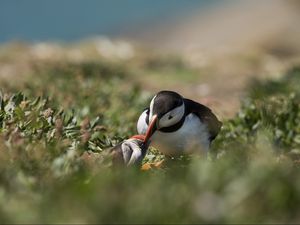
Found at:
(169, 70)
(290, 83)
(55, 127)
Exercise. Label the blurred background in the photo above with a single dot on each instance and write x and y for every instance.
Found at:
(74, 20)
(225, 43)
(75, 76)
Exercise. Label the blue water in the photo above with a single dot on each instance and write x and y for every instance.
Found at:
(69, 20)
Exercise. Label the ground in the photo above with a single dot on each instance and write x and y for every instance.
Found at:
(63, 106)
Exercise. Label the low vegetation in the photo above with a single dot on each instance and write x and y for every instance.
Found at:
(56, 124)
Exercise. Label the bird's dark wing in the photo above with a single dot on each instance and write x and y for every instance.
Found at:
(205, 115)
(117, 155)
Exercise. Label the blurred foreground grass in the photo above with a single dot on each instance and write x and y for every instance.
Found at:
(57, 121)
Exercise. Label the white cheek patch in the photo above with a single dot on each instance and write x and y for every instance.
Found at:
(151, 108)
(142, 126)
(132, 152)
(176, 115)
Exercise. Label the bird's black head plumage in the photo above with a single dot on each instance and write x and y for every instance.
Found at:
(165, 101)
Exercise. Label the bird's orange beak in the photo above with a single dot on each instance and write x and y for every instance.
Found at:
(151, 129)
(139, 137)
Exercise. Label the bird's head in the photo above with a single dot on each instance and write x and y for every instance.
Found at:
(166, 109)
(141, 140)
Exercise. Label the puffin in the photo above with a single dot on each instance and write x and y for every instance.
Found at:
(130, 152)
(177, 125)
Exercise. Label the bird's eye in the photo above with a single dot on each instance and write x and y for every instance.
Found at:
(170, 117)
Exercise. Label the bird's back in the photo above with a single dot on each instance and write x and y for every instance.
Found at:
(205, 115)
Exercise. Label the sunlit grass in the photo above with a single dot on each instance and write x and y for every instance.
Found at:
(57, 123)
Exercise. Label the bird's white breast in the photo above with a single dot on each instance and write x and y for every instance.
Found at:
(192, 137)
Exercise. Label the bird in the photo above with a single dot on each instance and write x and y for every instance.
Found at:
(177, 125)
(130, 152)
